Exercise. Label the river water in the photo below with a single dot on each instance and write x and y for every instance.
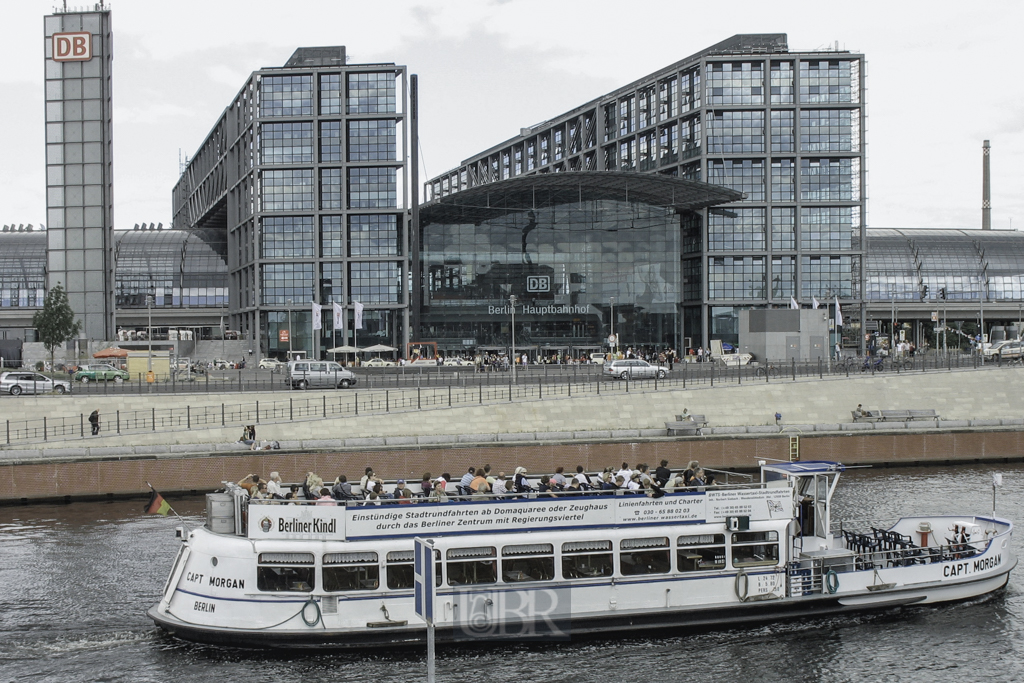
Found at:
(75, 581)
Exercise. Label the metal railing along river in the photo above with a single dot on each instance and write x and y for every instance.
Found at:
(387, 392)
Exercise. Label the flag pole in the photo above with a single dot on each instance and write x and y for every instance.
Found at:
(180, 518)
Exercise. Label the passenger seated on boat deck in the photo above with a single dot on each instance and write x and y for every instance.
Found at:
(498, 488)
(545, 489)
(663, 473)
(521, 483)
(325, 497)
(476, 481)
(342, 490)
(311, 486)
(250, 482)
(467, 478)
(261, 492)
(293, 494)
(438, 495)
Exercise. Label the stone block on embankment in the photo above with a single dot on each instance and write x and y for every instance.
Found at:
(323, 443)
(762, 429)
(597, 434)
(233, 446)
(1011, 421)
(364, 441)
(648, 433)
(25, 453)
(399, 440)
(517, 436)
(431, 439)
(725, 430)
(890, 425)
(554, 436)
(111, 451)
(799, 429)
(953, 424)
(477, 438)
(193, 447)
(152, 449)
(826, 427)
(625, 433)
(987, 422)
(856, 426)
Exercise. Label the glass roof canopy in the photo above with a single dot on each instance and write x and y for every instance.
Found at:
(491, 200)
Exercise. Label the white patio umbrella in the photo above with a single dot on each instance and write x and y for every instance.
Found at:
(345, 349)
(379, 348)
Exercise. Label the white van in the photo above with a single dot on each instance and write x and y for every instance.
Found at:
(319, 374)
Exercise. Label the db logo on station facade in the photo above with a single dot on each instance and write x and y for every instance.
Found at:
(538, 283)
(72, 47)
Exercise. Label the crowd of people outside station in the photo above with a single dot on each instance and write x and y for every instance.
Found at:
(482, 483)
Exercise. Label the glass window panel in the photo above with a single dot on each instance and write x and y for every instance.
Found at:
(371, 93)
(286, 95)
(286, 143)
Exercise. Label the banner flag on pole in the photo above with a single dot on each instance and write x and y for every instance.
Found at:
(339, 314)
(359, 315)
(839, 314)
(156, 505)
(814, 303)
(318, 317)
(793, 303)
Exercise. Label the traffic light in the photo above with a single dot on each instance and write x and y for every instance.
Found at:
(924, 291)
(942, 293)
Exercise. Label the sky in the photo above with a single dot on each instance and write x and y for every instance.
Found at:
(941, 79)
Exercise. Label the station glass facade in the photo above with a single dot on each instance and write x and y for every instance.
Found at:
(568, 266)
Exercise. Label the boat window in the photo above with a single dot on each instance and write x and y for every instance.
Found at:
(351, 572)
(401, 572)
(586, 559)
(467, 566)
(700, 553)
(531, 562)
(755, 548)
(644, 556)
(288, 572)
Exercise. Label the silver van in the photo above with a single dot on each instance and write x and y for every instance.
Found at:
(319, 374)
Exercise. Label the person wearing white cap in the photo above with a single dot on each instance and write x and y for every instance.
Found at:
(522, 485)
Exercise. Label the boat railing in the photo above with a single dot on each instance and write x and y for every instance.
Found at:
(358, 500)
(880, 548)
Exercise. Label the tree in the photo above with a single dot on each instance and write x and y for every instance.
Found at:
(56, 323)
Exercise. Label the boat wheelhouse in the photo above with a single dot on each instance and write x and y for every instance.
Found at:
(272, 573)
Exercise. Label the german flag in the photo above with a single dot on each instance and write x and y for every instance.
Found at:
(156, 505)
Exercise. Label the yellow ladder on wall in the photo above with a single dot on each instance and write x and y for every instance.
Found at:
(794, 448)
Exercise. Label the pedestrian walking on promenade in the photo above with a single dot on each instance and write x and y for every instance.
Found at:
(94, 421)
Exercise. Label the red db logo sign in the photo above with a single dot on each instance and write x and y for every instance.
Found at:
(72, 47)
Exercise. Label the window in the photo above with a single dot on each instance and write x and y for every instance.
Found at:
(330, 142)
(783, 277)
(782, 82)
(586, 559)
(736, 229)
(330, 188)
(286, 143)
(290, 190)
(736, 278)
(376, 283)
(830, 80)
(639, 556)
(783, 180)
(287, 237)
(667, 96)
(830, 130)
(372, 188)
(735, 83)
(332, 236)
(332, 285)
(531, 562)
(330, 94)
(283, 281)
(782, 131)
(700, 553)
(401, 573)
(372, 140)
(743, 175)
(351, 572)
(830, 227)
(471, 566)
(735, 132)
(755, 548)
(828, 276)
(285, 572)
(286, 96)
(374, 235)
(829, 180)
(372, 93)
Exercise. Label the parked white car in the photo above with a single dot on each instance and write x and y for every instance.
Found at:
(633, 368)
(312, 374)
(17, 383)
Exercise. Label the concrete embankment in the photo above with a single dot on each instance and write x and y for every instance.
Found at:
(982, 417)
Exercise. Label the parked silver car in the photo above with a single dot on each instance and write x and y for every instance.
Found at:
(632, 368)
(313, 374)
(17, 383)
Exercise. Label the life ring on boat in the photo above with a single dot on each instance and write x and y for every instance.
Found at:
(302, 612)
(742, 576)
(831, 581)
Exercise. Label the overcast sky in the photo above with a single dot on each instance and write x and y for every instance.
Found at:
(941, 79)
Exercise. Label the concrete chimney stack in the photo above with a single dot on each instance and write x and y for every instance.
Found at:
(986, 189)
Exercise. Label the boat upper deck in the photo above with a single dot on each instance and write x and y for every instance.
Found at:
(357, 520)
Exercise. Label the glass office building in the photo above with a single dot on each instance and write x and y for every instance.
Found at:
(785, 129)
(305, 174)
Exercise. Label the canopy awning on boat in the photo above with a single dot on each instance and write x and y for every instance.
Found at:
(806, 467)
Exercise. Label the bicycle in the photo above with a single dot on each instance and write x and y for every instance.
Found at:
(767, 371)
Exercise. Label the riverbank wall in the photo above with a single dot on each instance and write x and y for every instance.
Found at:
(981, 419)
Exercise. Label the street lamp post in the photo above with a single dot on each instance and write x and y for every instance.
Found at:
(290, 330)
(149, 340)
(615, 340)
(512, 299)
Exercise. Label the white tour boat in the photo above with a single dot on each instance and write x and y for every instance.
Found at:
(267, 573)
